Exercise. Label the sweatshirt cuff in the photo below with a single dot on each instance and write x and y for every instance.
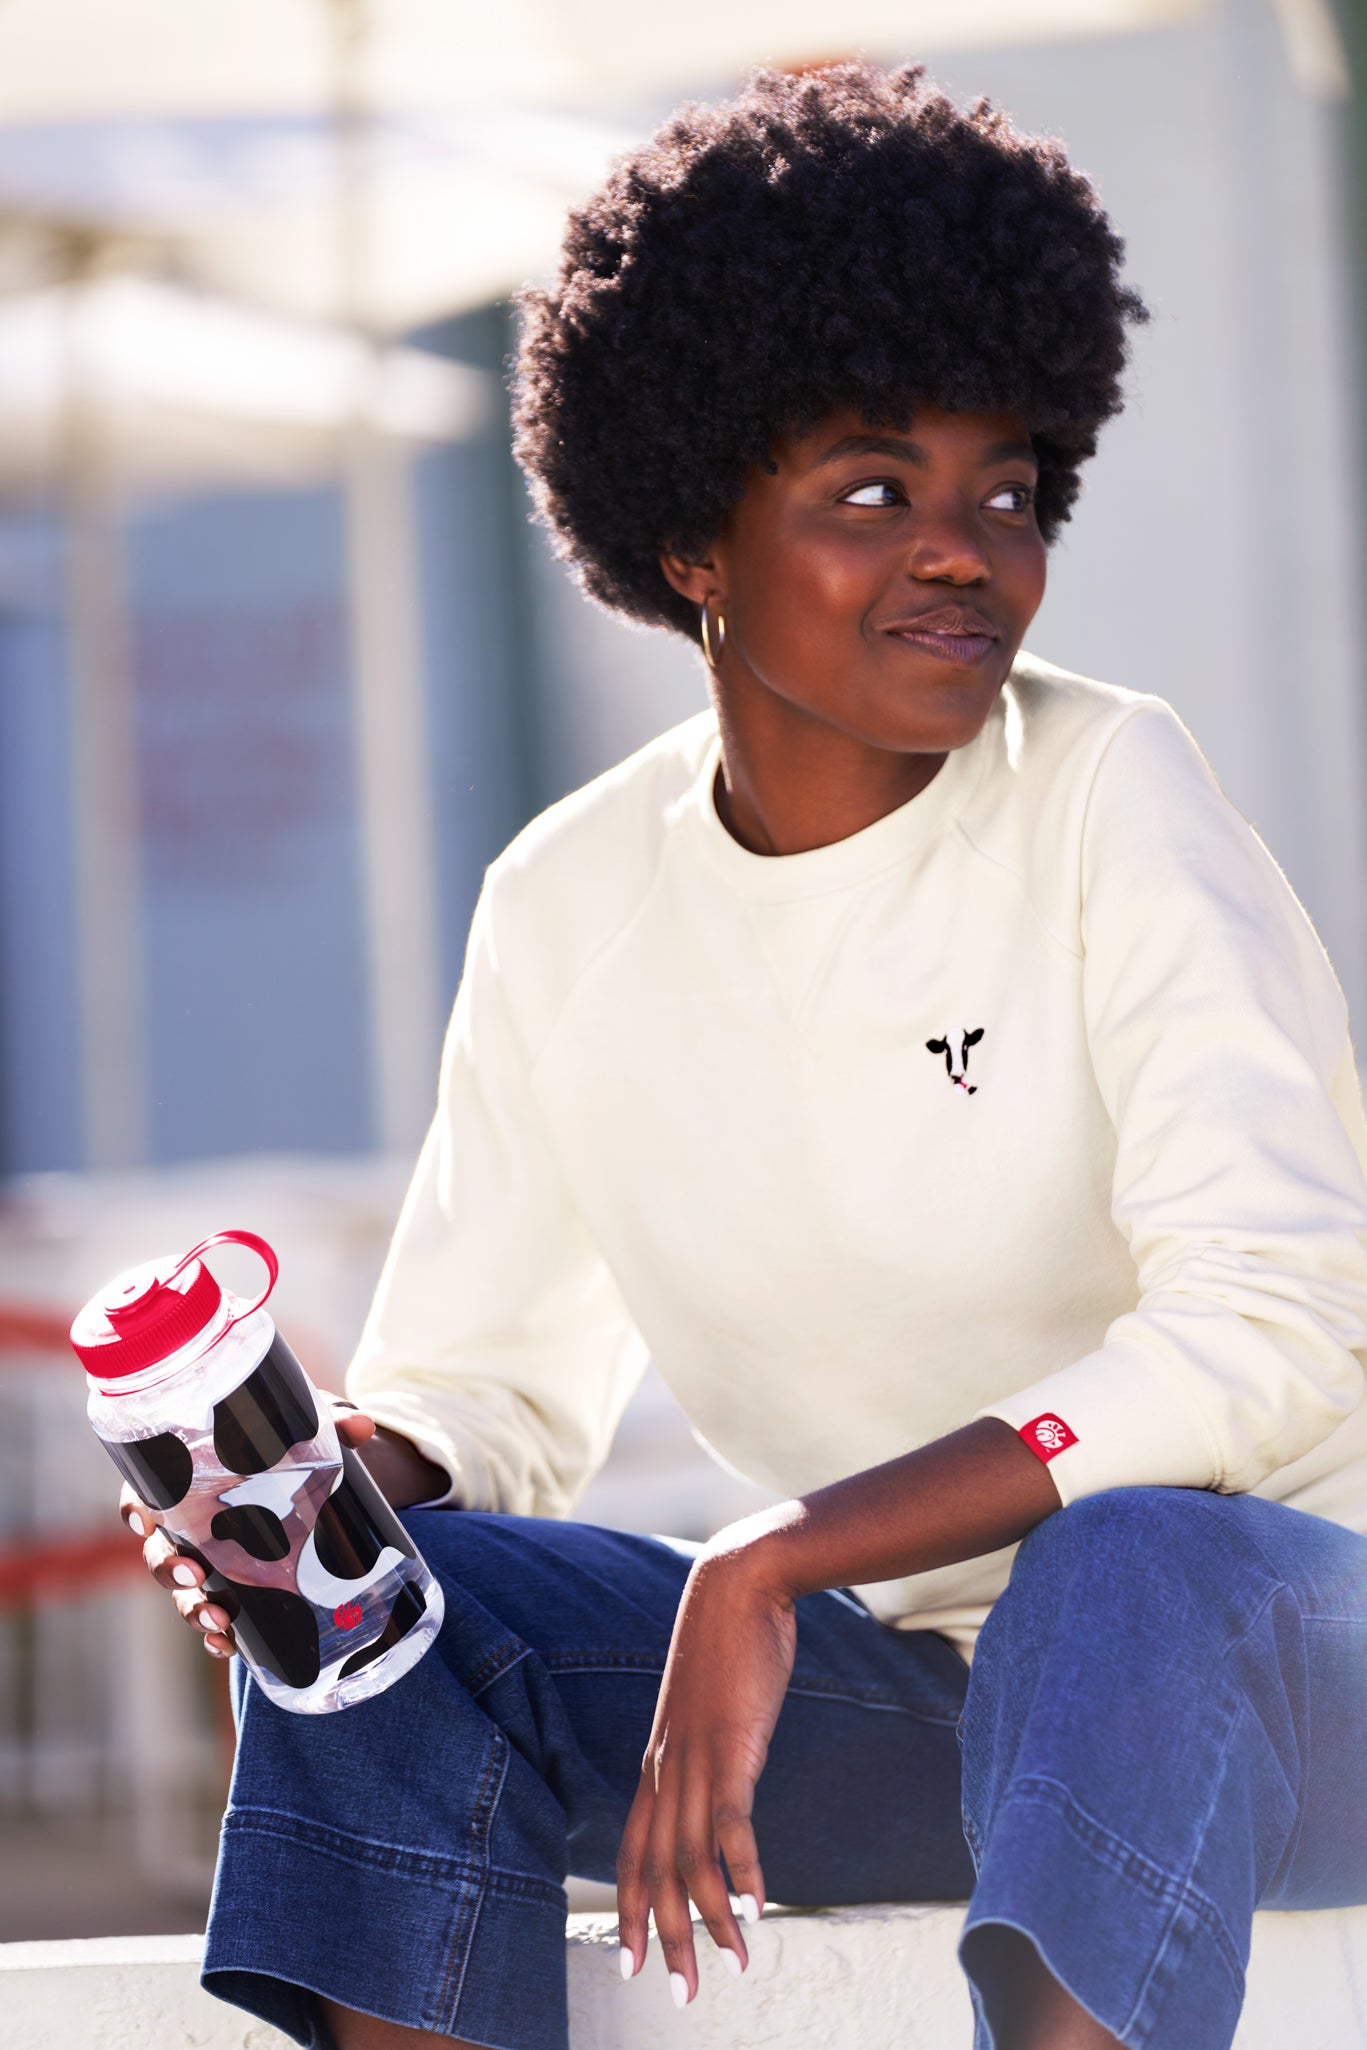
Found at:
(403, 1415)
(1112, 1420)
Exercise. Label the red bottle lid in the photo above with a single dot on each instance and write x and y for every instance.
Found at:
(147, 1313)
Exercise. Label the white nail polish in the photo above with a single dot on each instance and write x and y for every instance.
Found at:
(731, 1960)
(749, 1908)
(628, 1962)
(136, 1524)
(184, 1576)
(678, 1986)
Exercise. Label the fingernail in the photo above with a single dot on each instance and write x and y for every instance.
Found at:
(136, 1524)
(731, 1959)
(184, 1576)
(749, 1908)
(678, 1986)
(628, 1962)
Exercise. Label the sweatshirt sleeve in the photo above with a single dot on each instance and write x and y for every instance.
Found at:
(1220, 1045)
(497, 1340)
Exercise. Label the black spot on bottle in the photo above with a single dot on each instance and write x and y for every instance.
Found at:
(273, 1626)
(356, 1523)
(256, 1425)
(160, 1469)
(409, 1608)
(259, 1531)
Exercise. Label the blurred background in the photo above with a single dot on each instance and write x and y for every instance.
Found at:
(283, 663)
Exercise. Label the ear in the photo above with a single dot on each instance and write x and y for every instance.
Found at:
(696, 581)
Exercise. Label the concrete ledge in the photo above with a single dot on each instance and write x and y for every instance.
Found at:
(879, 1978)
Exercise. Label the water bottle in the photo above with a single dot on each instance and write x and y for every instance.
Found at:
(209, 1416)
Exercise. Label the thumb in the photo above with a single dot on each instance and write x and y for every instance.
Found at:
(353, 1425)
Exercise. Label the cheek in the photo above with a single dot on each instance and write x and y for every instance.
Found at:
(1025, 579)
(798, 599)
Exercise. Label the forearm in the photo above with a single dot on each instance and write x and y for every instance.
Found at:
(972, 1492)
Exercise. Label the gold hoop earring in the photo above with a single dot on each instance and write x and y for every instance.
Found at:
(711, 659)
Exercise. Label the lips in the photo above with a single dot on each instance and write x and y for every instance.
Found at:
(955, 632)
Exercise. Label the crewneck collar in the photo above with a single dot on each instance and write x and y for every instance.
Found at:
(890, 841)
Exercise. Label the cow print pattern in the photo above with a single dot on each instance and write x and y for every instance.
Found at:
(315, 1570)
(159, 1469)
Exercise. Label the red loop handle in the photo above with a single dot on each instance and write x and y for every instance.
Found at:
(249, 1239)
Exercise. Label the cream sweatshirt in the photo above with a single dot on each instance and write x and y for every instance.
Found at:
(1035, 1099)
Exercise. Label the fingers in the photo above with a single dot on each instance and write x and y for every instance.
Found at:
(135, 1512)
(208, 1617)
(736, 1840)
(353, 1425)
(182, 1578)
(668, 1895)
(699, 1869)
(633, 1900)
(670, 1855)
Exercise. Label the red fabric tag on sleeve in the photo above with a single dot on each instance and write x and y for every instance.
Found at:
(1047, 1436)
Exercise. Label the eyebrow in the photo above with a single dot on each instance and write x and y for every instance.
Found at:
(902, 450)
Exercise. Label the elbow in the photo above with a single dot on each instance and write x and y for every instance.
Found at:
(1318, 1389)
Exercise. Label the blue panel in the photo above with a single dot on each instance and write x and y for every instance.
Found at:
(39, 1074)
(257, 997)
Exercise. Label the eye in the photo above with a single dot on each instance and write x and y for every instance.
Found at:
(880, 495)
(1019, 498)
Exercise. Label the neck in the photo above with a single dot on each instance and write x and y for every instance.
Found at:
(789, 782)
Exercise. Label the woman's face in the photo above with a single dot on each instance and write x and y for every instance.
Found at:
(879, 583)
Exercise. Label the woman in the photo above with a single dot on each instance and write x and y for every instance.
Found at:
(923, 1061)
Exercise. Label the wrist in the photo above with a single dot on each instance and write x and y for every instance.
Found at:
(757, 1552)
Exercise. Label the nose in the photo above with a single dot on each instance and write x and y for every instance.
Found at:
(947, 547)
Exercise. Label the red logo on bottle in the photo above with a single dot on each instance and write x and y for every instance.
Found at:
(347, 1615)
(1047, 1436)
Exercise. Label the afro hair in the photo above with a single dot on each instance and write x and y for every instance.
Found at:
(846, 237)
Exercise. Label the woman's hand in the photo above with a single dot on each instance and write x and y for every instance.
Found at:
(731, 1655)
(728, 1668)
(183, 1578)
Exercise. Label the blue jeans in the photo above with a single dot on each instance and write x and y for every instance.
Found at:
(1165, 1727)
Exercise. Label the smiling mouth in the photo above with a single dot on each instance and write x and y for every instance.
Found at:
(963, 647)
(956, 633)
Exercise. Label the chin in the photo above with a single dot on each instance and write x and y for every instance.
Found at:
(929, 724)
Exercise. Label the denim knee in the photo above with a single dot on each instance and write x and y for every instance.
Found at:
(1183, 1562)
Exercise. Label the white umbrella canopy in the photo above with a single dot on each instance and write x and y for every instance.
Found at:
(444, 213)
(71, 58)
(213, 132)
(192, 392)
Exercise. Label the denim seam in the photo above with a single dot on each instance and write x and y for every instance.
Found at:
(522, 1886)
(483, 1678)
(812, 1689)
(943, 1714)
(1191, 1893)
(603, 1661)
(1129, 1864)
(467, 1914)
(1277, 1586)
(426, 1867)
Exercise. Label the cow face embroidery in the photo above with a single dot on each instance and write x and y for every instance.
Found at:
(967, 1039)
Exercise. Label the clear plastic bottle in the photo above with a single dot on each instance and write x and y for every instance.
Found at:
(210, 1417)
